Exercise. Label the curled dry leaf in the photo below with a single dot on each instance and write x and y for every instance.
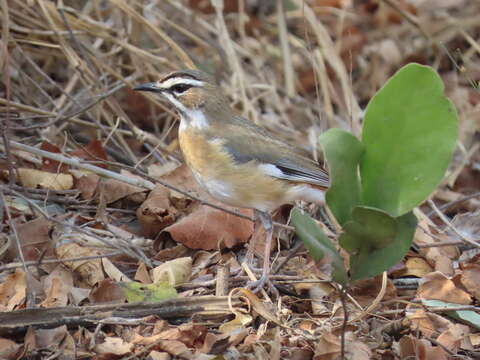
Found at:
(93, 151)
(114, 345)
(113, 190)
(430, 324)
(436, 286)
(211, 229)
(13, 291)
(86, 182)
(239, 322)
(50, 165)
(413, 348)
(415, 266)
(470, 278)
(58, 285)
(35, 238)
(328, 347)
(32, 178)
(9, 349)
(174, 272)
(89, 271)
(156, 212)
(53, 339)
(113, 272)
(453, 337)
(107, 291)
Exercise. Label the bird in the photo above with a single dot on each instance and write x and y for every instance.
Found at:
(236, 161)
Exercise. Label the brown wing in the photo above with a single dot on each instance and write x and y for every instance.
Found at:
(245, 142)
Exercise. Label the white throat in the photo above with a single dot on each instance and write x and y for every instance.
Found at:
(195, 118)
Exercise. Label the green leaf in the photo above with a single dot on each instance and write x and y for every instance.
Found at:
(370, 229)
(370, 260)
(409, 133)
(318, 244)
(342, 151)
(138, 292)
(466, 316)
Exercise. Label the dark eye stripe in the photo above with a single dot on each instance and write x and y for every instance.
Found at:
(180, 88)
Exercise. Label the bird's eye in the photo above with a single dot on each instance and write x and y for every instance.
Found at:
(180, 88)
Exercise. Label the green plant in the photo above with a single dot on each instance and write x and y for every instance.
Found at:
(408, 138)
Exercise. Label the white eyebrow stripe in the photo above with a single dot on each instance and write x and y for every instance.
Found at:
(179, 80)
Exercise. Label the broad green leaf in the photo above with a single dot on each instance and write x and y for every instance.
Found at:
(370, 229)
(318, 244)
(368, 262)
(138, 292)
(342, 151)
(409, 133)
(466, 316)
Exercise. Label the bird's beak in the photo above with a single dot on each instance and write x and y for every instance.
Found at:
(151, 86)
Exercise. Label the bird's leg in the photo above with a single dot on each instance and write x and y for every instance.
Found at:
(266, 220)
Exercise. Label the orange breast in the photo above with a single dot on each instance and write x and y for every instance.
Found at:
(243, 185)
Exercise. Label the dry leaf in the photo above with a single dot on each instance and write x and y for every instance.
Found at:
(107, 291)
(327, 347)
(430, 324)
(113, 190)
(239, 322)
(413, 348)
(114, 345)
(157, 355)
(415, 266)
(34, 179)
(35, 238)
(211, 229)
(89, 271)
(156, 212)
(87, 183)
(50, 165)
(142, 275)
(58, 285)
(9, 350)
(436, 286)
(470, 278)
(13, 291)
(174, 272)
(94, 152)
(453, 337)
(113, 272)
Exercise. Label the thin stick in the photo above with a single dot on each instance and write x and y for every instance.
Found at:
(451, 226)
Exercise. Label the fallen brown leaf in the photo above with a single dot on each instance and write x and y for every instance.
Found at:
(156, 212)
(87, 183)
(58, 285)
(211, 229)
(175, 272)
(89, 271)
(13, 291)
(411, 347)
(430, 324)
(453, 337)
(114, 345)
(436, 286)
(35, 238)
(107, 291)
(50, 165)
(32, 178)
(93, 151)
(9, 350)
(470, 278)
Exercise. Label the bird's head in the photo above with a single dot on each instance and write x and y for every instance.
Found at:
(187, 90)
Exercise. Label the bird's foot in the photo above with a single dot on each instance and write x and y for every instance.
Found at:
(257, 285)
